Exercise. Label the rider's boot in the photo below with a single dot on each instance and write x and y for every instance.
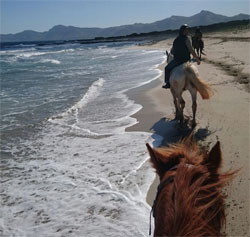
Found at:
(167, 84)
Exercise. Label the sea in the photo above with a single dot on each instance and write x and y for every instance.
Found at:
(68, 167)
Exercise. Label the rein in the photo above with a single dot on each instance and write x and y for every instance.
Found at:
(170, 179)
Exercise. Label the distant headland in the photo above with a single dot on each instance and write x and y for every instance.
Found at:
(69, 33)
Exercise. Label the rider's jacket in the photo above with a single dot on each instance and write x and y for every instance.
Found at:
(181, 51)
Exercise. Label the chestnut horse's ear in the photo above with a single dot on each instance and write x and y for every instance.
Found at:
(155, 158)
(214, 158)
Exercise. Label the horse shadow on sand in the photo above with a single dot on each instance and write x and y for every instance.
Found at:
(172, 131)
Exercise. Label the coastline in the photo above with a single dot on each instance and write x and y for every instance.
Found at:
(148, 96)
(224, 117)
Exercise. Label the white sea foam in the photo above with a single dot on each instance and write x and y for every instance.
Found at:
(100, 57)
(33, 53)
(102, 47)
(30, 54)
(53, 61)
(15, 55)
(11, 52)
(86, 187)
(63, 51)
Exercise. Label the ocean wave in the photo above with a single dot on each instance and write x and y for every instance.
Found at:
(91, 94)
(150, 51)
(53, 61)
(30, 54)
(13, 51)
(67, 50)
(25, 45)
(100, 57)
(16, 54)
(102, 47)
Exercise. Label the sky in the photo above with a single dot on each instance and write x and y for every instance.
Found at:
(41, 15)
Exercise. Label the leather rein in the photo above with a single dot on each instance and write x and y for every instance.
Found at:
(170, 179)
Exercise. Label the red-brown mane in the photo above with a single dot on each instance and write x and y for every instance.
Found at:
(193, 204)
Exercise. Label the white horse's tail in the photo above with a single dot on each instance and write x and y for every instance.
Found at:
(192, 76)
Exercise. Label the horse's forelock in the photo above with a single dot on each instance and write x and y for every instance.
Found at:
(184, 149)
(200, 196)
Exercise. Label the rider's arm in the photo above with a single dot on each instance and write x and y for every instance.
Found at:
(191, 50)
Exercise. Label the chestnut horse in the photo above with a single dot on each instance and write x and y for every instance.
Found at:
(189, 201)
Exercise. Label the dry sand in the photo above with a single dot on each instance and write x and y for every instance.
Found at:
(225, 117)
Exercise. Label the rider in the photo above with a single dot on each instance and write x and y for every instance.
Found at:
(181, 50)
(198, 35)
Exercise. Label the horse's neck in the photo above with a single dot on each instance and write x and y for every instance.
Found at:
(163, 219)
(174, 219)
(170, 58)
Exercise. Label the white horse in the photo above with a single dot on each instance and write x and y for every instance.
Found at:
(186, 77)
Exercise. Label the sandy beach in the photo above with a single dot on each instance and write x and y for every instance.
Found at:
(225, 117)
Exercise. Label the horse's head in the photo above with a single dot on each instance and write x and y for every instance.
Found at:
(185, 153)
(189, 201)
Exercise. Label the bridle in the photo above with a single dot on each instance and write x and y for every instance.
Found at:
(170, 179)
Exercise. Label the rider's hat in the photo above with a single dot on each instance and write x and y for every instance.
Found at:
(198, 30)
(182, 28)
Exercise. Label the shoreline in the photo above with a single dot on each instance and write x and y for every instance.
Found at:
(145, 96)
(224, 117)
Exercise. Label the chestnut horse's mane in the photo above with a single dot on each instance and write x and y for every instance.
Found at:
(193, 203)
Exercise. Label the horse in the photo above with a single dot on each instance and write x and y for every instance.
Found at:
(198, 45)
(189, 201)
(186, 77)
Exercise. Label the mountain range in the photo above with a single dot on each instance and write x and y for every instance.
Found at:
(61, 32)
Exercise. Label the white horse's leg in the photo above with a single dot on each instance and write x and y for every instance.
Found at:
(176, 103)
(177, 82)
(182, 106)
(194, 104)
(177, 106)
